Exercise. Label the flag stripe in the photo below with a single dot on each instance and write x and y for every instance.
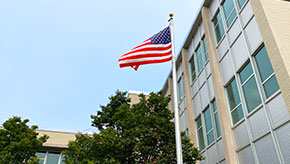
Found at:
(149, 48)
(147, 55)
(143, 44)
(144, 59)
(156, 49)
(144, 62)
(151, 45)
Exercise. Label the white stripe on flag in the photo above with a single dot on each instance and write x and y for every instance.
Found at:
(152, 45)
(144, 59)
(147, 52)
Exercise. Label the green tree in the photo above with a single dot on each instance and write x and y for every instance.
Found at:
(141, 133)
(19, 143)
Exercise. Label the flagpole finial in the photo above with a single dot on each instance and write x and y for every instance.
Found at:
(171, 15)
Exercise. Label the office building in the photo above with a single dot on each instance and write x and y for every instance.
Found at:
(51, 151)
(233, 82)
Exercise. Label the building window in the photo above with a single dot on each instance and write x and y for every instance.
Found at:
(216, 119)
(180, 89)
(208, 126)
(49, 158)
(192, 68)
(200, 138)
(211, 126)
(52, 158)
(267, 75)
(241, 3)
(234, 102)
(199, 58)
(218, 27)
(204, 48)
(41, 156)
(250, 89)
(229, 11)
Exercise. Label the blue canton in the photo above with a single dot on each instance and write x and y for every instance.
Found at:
(162, 37)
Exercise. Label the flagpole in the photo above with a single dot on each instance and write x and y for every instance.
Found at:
(175, 106)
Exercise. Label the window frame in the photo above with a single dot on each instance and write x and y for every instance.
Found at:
(242, 85)
(199, 46)
(219, 21)
(192, 59)
(180, 97)
(214, 113)
(47, 153)
(201, 129)
(243, 5)
(200, 55)
(204, 49)
(235, 108)
(214, 129)
(264, 93)
(230, 13)
(208, 108)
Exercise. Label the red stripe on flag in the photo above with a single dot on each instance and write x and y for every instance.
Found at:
(148, 49)
(145, 62)
(148, 53)
(145, 56)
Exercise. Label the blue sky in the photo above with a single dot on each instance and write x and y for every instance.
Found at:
(59, 58)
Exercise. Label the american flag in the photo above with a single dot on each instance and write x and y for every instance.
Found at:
(156, 49)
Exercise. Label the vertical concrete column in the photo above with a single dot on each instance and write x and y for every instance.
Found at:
(187, 92)
(273, 19)
(223, 113)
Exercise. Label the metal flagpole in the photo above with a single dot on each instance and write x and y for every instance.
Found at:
(176, 115)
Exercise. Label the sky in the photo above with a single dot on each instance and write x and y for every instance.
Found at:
(59, 58)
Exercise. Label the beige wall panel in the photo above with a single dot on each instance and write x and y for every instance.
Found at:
(273, 18)
(57, 139)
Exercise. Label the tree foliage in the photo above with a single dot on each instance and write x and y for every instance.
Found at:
(141, 133)
(19, 143)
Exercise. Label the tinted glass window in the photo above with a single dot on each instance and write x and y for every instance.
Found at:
(241, 3)
(250, 88)
(205, 48)
(180, 89)
(218, 27)
(41, 156)
(207, 117)
(264, 64)
(246, 73)
(271, 86)
(251, 94)
(201, 144)
(216, 119)
(192, 69)
(208, 126)
(199, 58)
(229, 11)
(233, 94)
(237, 114)
(52, 158)
(266, 72)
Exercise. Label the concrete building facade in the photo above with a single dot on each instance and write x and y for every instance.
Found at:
(51, 151)
(233, 82)
(233, 85)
